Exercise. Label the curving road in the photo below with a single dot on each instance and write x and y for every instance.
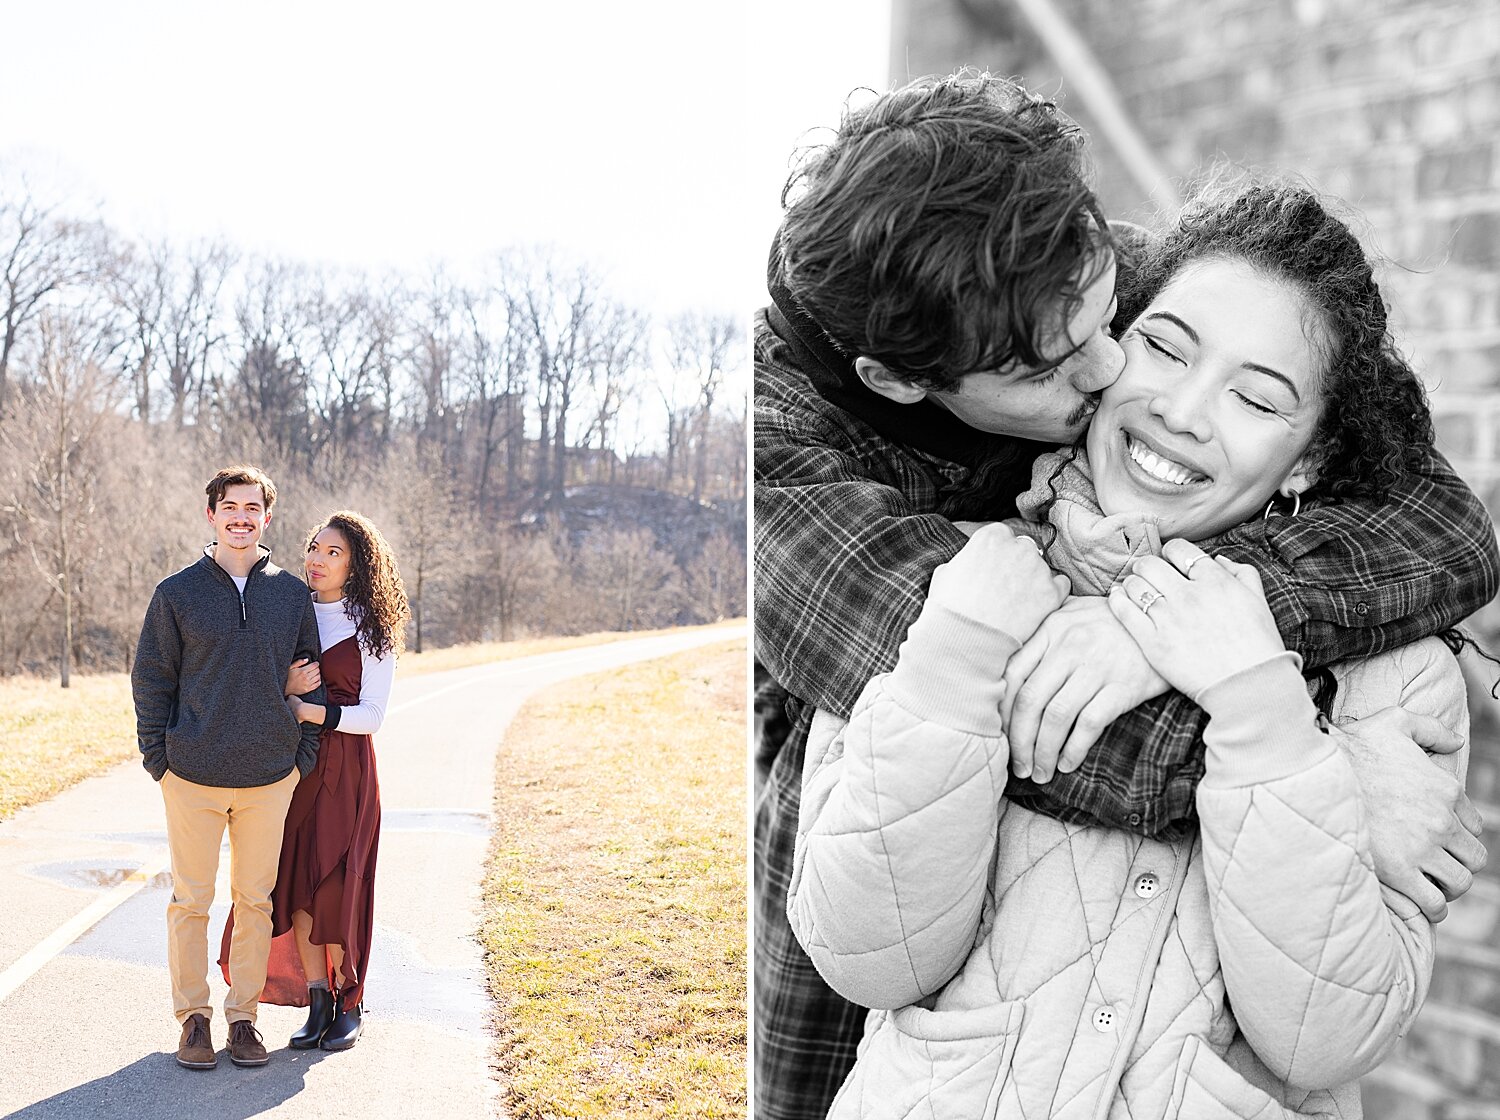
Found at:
(86, 1027)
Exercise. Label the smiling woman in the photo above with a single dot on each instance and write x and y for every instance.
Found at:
(1259, 363)
(1202, 427)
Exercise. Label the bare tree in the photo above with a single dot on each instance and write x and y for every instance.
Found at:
(517, 565)
(425, 527)
(676, 395)
(703, 348)
(138, 288)
(63, 408)
(634, 582)
(266, 390)
(496, 350)
(562, 313)
(191, 322)
(41, 253)
(431, 353)
(715, 579)
(618, 353)
(352, 331)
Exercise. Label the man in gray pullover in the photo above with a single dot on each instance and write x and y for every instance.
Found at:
(216, 732)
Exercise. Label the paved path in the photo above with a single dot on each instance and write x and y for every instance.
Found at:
(86, 1027)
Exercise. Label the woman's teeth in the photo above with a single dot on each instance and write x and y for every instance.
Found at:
(1159, 468)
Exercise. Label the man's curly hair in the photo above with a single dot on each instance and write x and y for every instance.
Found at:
(1376, 425)
(374, 596)
(947, 228)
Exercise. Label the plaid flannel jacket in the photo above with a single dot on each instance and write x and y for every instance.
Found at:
(850, 523)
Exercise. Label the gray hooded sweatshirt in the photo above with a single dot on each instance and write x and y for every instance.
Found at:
(209, 673)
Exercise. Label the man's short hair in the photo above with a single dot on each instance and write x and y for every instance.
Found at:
(947, 228)
(242, 475)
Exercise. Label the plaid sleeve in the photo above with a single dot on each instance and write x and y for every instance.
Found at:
(1344, 581)
(842, 559)
(1356, 578)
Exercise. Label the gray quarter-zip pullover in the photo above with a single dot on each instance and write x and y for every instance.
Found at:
(209, 672)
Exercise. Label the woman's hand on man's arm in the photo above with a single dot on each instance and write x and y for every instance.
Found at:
(302, 677)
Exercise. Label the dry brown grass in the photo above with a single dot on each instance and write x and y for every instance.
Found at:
(614, 906)
(480, 653)
(52, 738)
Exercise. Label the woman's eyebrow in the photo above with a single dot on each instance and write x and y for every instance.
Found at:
(1169, 317)
(1255, 367)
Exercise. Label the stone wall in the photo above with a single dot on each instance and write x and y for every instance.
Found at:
(1395, 107)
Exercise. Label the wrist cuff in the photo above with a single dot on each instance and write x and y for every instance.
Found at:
(1262, 724)
(949, 670)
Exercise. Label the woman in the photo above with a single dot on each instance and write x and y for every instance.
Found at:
(323, 904)
(1250, 966)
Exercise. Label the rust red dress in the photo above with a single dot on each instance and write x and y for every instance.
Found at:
(328, 850)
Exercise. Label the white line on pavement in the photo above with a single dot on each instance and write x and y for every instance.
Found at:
(75, 927)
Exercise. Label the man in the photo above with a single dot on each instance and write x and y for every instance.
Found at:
(216, 732)
(942, 297)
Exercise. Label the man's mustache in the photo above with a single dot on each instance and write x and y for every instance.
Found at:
(1084, 410)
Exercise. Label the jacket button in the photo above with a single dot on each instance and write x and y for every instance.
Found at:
(1145, 885)
(1104, 1020)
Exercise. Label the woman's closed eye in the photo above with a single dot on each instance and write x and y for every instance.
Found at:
(1161, 348)
(1255, 404)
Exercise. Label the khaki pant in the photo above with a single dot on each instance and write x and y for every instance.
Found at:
(196, 816)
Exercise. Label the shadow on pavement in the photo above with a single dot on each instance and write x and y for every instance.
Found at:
(156, 1086)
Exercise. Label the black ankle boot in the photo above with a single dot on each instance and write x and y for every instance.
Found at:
(320, 1011)
(343, 1032)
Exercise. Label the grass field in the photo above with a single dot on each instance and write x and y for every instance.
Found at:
(52, 738)
(614, 927)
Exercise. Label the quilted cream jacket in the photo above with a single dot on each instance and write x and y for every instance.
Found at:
(1026, 968)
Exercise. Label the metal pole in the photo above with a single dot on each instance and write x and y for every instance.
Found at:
(1091, 81)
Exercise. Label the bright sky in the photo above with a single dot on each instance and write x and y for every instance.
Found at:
(808, 57)
(379, 134)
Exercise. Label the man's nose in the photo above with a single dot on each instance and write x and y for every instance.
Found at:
(1101, 367)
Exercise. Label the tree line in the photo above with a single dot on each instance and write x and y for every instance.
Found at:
(544, 456)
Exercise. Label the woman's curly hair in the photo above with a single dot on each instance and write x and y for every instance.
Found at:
(374, 596)
(1376, 425)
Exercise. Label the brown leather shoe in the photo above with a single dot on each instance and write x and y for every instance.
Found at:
(196, 1050)
(245, 1047)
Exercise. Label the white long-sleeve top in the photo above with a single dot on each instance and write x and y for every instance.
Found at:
(375, 673)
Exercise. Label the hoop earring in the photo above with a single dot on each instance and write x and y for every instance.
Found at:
(1296, 505)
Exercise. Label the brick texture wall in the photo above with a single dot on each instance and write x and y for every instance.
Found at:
(1393, 105)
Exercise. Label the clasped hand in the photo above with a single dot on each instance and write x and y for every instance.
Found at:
(1197, 618)
(302, 677)
(1096, 659)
